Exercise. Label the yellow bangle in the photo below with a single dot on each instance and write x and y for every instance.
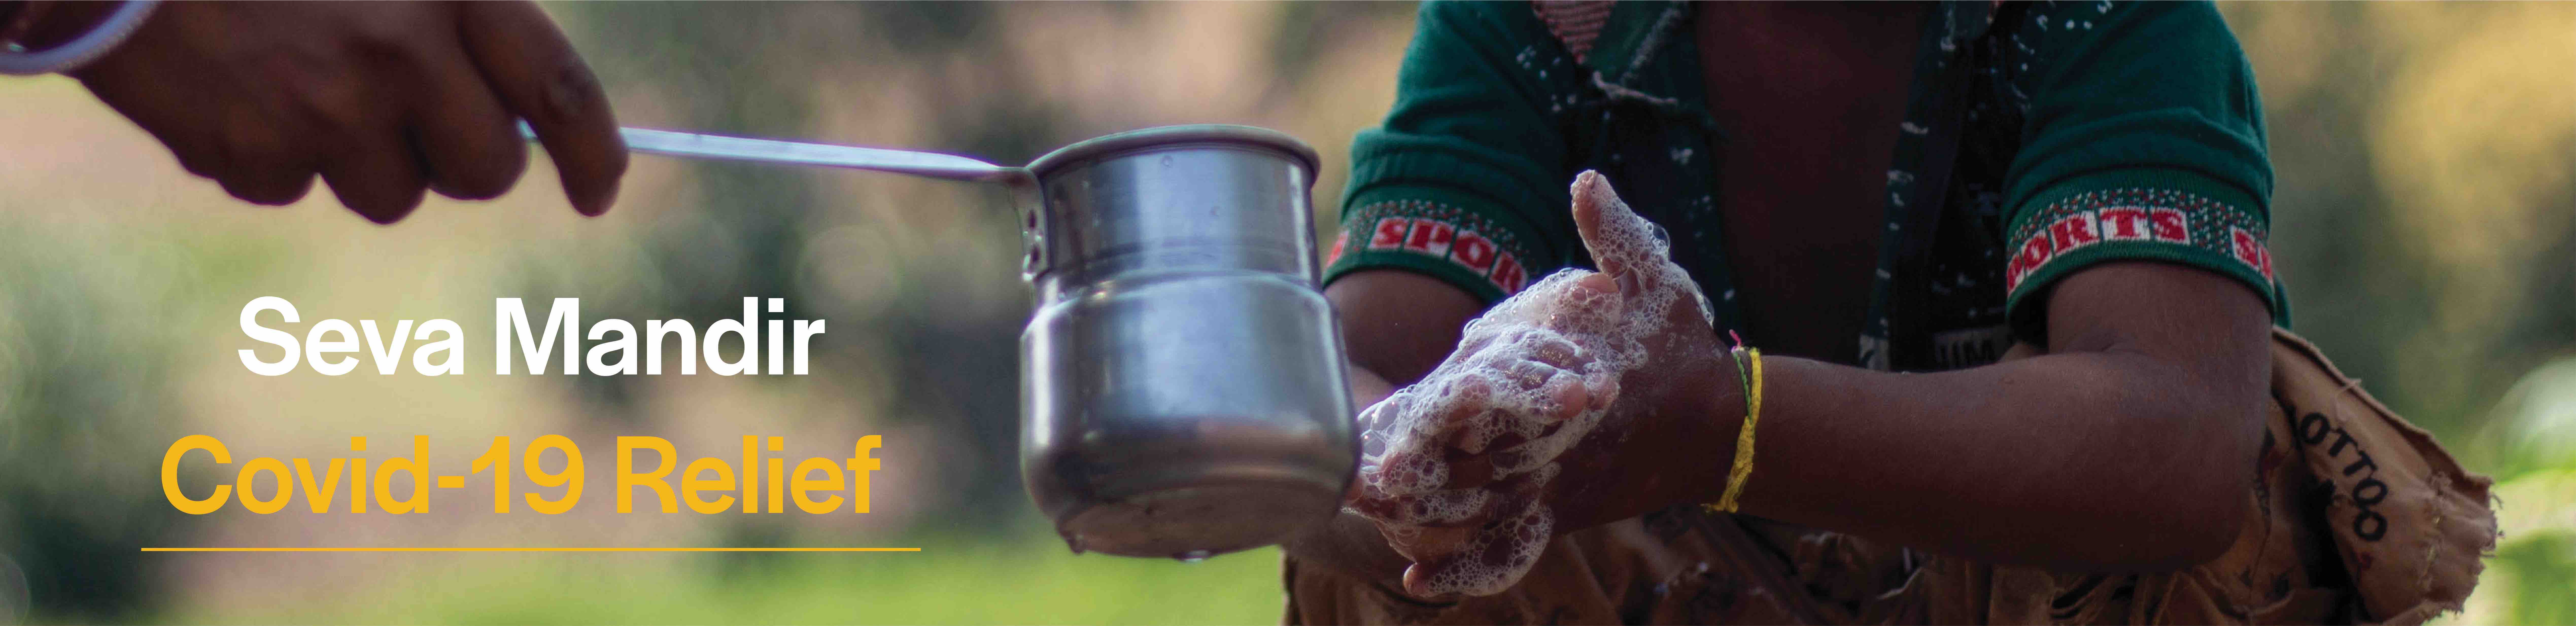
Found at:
(1751, 366)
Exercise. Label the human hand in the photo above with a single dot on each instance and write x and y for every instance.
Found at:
(382, 99)
(1588, 398)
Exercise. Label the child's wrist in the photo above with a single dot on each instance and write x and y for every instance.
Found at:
(1744, 363)
(1715, 414)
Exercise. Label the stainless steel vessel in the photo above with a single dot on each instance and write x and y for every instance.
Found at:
(1182, 384)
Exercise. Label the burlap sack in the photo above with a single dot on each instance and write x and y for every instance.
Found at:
(2358, 517)
(2411, 527)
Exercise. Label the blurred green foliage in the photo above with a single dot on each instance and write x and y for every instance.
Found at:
(2542, 563)
(85, 387)
(961, 580)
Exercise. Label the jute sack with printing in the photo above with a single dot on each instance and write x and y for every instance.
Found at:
(2358, 517)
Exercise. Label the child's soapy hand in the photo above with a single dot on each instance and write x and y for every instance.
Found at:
(1588, 398)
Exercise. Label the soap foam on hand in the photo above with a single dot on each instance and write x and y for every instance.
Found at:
(1531, 378)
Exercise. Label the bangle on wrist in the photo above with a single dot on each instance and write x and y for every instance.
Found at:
(1748, 371)
(71, 55)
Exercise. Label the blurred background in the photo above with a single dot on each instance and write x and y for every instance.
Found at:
(2425, 220)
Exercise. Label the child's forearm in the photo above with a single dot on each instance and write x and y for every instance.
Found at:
(2127, 449)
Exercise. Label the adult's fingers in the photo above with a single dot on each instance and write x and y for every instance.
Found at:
(258, 159)
(376, 173)
(469, 141)
(533, 69)
(259, 174)
(272, 187)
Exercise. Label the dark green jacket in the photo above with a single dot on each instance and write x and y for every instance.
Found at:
(2040, 138)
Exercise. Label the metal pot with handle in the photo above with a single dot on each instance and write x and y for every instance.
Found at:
(1182, 384)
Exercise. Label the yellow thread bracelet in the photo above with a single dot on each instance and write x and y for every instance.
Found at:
(1743, 468)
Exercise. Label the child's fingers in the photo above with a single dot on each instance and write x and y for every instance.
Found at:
(1602, 388)
(1564, 396)
(1385, 414)
(1447, 508)
(1417, 578)
(1622, 243)
(1469, 471)
(1407, 472)
(1519, 459)
(1557, 352)
(1493, 556)
(1464, 400)
(1567, 396)
(1591, 306)
(1426, 544)
(1462, 416)
(1468, 347)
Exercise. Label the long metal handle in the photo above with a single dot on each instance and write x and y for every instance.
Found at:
(702, 146)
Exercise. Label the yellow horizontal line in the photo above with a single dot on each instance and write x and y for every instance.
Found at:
(531, 549)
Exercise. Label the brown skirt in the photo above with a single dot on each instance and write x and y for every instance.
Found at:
(2358, 517)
